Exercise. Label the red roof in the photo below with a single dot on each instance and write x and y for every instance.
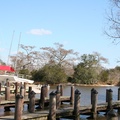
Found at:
(7, 68)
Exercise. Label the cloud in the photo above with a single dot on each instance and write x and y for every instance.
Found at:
(39, 32)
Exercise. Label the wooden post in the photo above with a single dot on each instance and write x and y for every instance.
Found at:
(72, 95)
(16, 88)
(18, 107)
(119, 93)
(58, 87)
(92, 95)
(32, 102)
(7, 93)
(57, 99)
(109, 107)
(46, 90)
(52, 108)
(112, 115)
(25, 87)
(0, 98)
(107, 91)
(30, 89)
(22, 94)
(42, 97)
(0, 88)
(94, 103)
(77, 105)
(61, 90)
(119, 98)
(22, 91)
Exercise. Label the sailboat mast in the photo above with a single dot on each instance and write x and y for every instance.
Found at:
(17, 51)
(10, 48)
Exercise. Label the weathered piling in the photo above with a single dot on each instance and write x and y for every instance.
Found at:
(32, 102)
(25, 86)
(29, 90)
(94, 103)
(119, 98)
(110, 92)
(46, 90)
(58, 88)
(42, 97)
(7, 91)
(22, 90)
(18, 107)
(107, 91)
(0, 88)
(22, 94)
(92, 95)
(16, 88)
(52, 108)
(76, 112)
(61, 90)
(72, 95)
(57, 99)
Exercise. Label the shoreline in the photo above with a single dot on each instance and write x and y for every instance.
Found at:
(85, 85)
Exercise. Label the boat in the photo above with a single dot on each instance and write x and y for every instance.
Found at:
(11, 77)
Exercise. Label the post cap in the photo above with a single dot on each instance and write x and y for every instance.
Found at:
(77, 91)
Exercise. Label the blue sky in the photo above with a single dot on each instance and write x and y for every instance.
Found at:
(78, 25)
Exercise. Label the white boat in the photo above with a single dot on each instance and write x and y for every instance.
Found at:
(12, 78)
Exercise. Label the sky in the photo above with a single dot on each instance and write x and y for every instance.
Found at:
(77, 24)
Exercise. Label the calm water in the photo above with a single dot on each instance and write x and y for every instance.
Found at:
(86, 97)
(84, 100)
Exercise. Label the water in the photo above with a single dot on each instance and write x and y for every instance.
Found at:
(86, 97)
(84, 100)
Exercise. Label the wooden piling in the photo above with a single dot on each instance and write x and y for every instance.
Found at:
(77, 105)
(46, 90)
(107, 91)
(61, 90)
(22, 91)
(42, 97)
(0, 88)
(16, 88)
(72, 95)
(119, 98)
(58, 88)
(25, 86)
(94, 103)
(32, 102)
(52, 108)
(29, 90)
(57, 99)
(92, 95)
(7, 93)
(18, 107)
(119, 93)
(110, 92)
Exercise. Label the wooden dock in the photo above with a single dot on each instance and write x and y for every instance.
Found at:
(64, 112)
(53, 107)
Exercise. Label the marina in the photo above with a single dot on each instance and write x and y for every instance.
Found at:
(67, 108)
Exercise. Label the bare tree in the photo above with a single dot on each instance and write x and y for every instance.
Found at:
(113, 26)
(28, 58)
(60, 56)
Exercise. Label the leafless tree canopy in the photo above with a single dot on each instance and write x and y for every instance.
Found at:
(113, 26)
(30, 59)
